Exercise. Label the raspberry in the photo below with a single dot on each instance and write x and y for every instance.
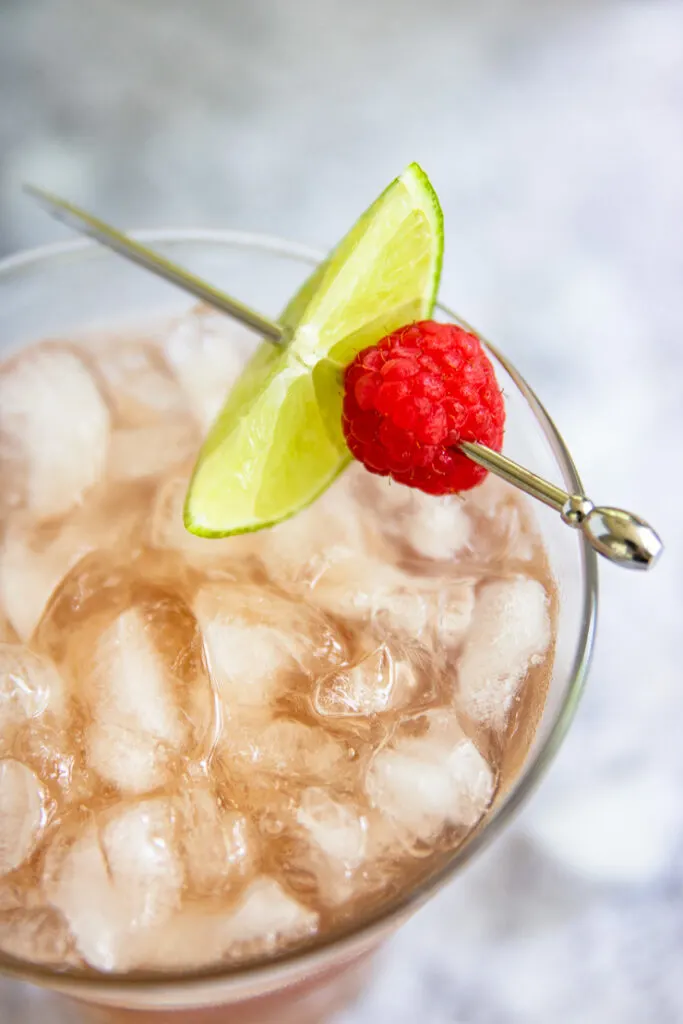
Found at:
(411, 399)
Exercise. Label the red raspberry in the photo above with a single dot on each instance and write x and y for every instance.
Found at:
(411, 399)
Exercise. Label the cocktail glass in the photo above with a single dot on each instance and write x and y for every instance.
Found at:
(66, 288)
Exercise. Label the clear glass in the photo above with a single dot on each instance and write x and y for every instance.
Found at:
(67, 288)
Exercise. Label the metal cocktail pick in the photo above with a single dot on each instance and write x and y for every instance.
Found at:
(622, 537)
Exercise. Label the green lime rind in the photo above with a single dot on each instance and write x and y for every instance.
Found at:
(278, 443)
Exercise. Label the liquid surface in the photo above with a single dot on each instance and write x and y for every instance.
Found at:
(214, 750)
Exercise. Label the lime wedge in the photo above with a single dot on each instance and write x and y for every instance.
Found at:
(278, 442)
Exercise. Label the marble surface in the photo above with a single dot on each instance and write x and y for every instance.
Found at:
(552, 129)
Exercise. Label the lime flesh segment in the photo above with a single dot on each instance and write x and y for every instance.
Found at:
(278, 442)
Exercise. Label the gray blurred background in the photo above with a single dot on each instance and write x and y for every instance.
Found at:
(553, 131)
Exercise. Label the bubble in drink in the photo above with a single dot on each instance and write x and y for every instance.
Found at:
(213, 751)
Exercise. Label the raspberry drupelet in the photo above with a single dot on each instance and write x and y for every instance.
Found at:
(410, 399)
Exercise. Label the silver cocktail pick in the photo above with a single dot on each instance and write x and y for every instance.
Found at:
(620, 536)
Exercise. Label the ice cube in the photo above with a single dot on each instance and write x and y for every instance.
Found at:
(38, 936)
(432, 527)
(36, 559)
(167, 530)
(137, 725)
(132, 680)
(217, 846)
(30, 687)
(325, 846)
(92, 904)
(473, 782)
(140, 845)
(31, 567)
(13, 895)
(510, 633)
(299, 550)
(438, 530)
(139, 452)
(455, 608)
(486, 499)
(102, 587)
(264, 919)
(138, 382)
(34, 725)
(132, 761)
(378, 682)
(381, 494)
(54, 431)
(247, 661)
(256, 641)
(501, 523)
(207, 353)
(364, 590)
(8, 634)
(22, 814)
(192, 938)
(120, 878)
(425, 781)
(282, 747)
(267, 918)
(337, 829)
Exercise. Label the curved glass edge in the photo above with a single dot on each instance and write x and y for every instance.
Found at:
(90, 982)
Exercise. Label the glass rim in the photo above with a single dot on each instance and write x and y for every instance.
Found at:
(88, 982)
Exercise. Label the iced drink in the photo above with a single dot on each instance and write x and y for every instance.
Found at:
(214, 751)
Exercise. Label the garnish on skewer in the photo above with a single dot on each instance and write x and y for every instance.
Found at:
(411, 399)
(281, 440)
